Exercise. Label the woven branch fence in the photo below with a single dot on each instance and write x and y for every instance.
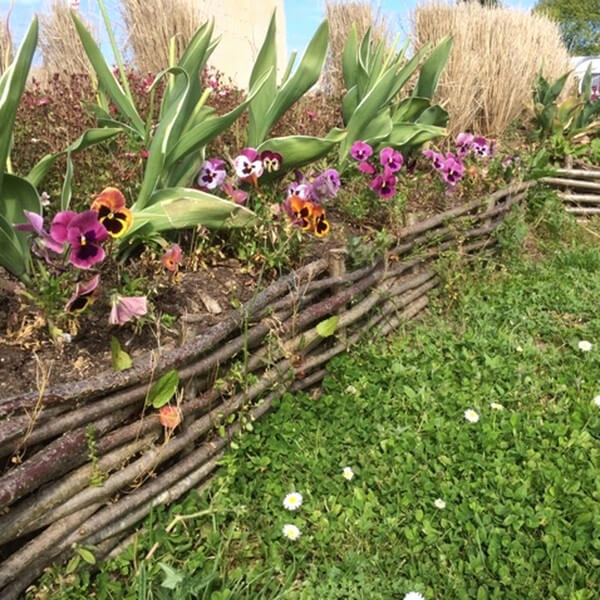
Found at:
(48, 503)
(579, 190)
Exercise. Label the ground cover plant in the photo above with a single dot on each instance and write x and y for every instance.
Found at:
(458, 460)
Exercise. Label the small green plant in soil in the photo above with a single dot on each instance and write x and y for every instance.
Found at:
(472, 443)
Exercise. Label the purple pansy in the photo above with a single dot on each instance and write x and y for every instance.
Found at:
(36, 224)
(326, 185)
(60, 225)
(248, 166)
(452, 170)
(212, 174)
(391, 159)
(125, 308)
(302, 190)
(480, 147)
(437, 159)
(84, 233)
(365, 167)
(384, 185)
(464, 142)
(271, 161)
(361, 151)
(83, 296)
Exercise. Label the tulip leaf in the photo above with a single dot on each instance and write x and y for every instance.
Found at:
(163, 390)
(432, 68)
(328, 327)
(120, 359)
(409, 109)
(434, 115)
(349, 62)
(12, 256)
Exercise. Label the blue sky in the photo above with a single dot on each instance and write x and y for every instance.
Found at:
(302, 16)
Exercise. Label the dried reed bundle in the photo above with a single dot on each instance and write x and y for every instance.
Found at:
(496, 56)
(5, 42)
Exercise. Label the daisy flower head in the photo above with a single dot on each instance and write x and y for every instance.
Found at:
(597, 401)
(496, 406)
(348, 473)
(291, 532)
(584, 346)
(414, 596)
(292, 501)
(471, 415)
(439, 503)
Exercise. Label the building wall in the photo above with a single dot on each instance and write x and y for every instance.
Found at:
(242, 25)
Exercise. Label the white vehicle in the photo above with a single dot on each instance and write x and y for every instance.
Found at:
(580, 65)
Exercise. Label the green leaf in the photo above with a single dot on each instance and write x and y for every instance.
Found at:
(172, 577)
(106, 80)
(65, 196)
(12, 85)
(12, 255)
(409, 109)
(349, 58)
(327, 328)
(177, 208)
(89, 558)
(120, 359)
(414, 134)
(432, 69)
(89, 138)
(163, 390)
(72, 564)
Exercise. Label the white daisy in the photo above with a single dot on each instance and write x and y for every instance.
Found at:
(414, 596)
(291, 532)
(292, 501)
(471, 415)
(439, 503)
(348, 473)
(597, 401)
(584, 346)
(496, 406)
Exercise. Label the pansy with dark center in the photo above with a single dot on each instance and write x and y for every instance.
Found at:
(391, 159)
(212, 174)
(248, 166)
(325, 186)
(301, 211)
(452, 171)
(320, 224)
(85, 233)
(437, 159)
(384, 185)
(171, 259)
(112, 213)
(272, 161)
(361, 151)
(481, 147)
(84, 295)
(464, 143)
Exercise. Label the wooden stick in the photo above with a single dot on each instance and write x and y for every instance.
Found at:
(572, 183)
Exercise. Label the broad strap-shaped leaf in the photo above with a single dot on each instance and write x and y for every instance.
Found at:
(432, 69)
(349, 103)
(266, 62)
(89, 138)
(106, 80)
(378, 128)
(67, 188)
(405, 135)
(434, 115)
(409, 109)
(162, 142)
(404, 72)
(12, 85)
(553, 91)
(299, 150)
(18, 195)
(350, 59)
(12, 255)
(178, 208)
(195, 138)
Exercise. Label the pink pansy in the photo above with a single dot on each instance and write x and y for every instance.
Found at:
(326, 185)
(365, 167)
(437, 159)
(391, 159)
(171, 259)
(302, 190)
(482, 148)
(83, 296)
(36, 224)
(452, 171)
(464, 142)
(125, 308)
(384, 185)
(85, 233)
(248, 166)
(361, 151)
(60, 225)
(212, 174)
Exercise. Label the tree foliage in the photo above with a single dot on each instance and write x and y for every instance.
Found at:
(579, 23)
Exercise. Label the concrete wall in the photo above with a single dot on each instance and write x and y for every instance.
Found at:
(242, 25)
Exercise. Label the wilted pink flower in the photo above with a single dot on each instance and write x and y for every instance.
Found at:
(169, 416)
(171, 259)
(361, 151)
(36, 224)
(391, 159)
(144, 154)
(125, 308)
(83, 296)
(237, 195)
(43, 101)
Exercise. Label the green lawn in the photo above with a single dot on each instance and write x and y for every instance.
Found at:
(521, 485)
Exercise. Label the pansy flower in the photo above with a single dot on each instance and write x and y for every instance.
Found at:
(365, 167)
(36, 224)
(212, 174)
(85, 233)
(301, 211)
(271, 161)
(248, 166)
(464, 142)
(237, 195)
(171, 259)
(126, 308)
(320, 225)
(391, 159)
(482, 147)
(437, 159)
(361, 151)
(84, 295)
(384, 185)
(452, 171)
(302, 190)
(326, 185)
(112, 213)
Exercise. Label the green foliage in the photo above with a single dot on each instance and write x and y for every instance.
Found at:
(371, 109)
(163, 390)
(120, 360)
(520, 485)
(579, 23)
